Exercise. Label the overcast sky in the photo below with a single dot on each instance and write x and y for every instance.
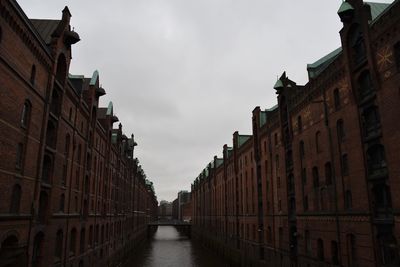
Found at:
(185, 74)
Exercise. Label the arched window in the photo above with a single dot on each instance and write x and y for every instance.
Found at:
(318, 141)
(357, 46)
(8, 252)
(315, 177)
(336, 98)
(72, 244)
(299, 124)
(320, 249)
(340, 130)
(62, 202)
(15, 199)
(59, 244)
(90, 236)
(365, 84)
(33, 74)
(328, 173)
(304, 176)
(26, 114)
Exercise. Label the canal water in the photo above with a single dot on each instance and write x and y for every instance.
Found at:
(169, 248)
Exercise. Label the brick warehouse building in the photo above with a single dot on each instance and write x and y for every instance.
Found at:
(72, 192)
(316, 184)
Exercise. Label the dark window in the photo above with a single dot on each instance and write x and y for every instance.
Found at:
(59, 244)
(15, 199)
(61, 72)
(320, 249)
(397, 55)
(351, 250)
(303, 176)
(301, 148)
(62, 202)
(1, 34)
(365, 84)
(26, 114)
(82, 241)
(19, 156)
(307, 239)
(55, 102)
(376, 158)
(340, 130)
(70, 114)
(389, 253)
(72, 244)
(276, 138)
(277, 164)
(305, 203)
(357, 45)
(280, 237)
(79, 153)
(67, 143)
(299, 124)
(91, 236)
(315, 177)
(43, 206)
(336, 98)
(64, 174)
(382, 198)
(37, 250)
(318, 141)
(47, 168)
(348, 200)
(33, 75)
(291, 183)
(51, 135)
(335, 253)
(371, 120)
(345, 165)
(328, 173)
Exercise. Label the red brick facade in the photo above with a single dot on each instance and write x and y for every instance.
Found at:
(72, 192)
(316, 184)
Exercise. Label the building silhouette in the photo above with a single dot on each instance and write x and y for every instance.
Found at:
(316, 183)
(72, 192)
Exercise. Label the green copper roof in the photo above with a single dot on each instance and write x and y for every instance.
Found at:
(94, 78)
(72, 76)
(278, 84)
(242, 139)
(219, 162)
(321, 64)
(263, 118)
(377, 9)
(110, 109)
(345, 6)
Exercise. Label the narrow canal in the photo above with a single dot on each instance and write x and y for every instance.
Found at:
(169, 248)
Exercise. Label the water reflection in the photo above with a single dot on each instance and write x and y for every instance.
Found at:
(169, 248)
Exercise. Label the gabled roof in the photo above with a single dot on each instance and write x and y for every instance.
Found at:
(45, 28)
(243, 139)
(377, 9)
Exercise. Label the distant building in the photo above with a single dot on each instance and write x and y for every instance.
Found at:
(183, 198)
(165, 210)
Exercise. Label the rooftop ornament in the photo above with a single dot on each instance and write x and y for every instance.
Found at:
(346, 12)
